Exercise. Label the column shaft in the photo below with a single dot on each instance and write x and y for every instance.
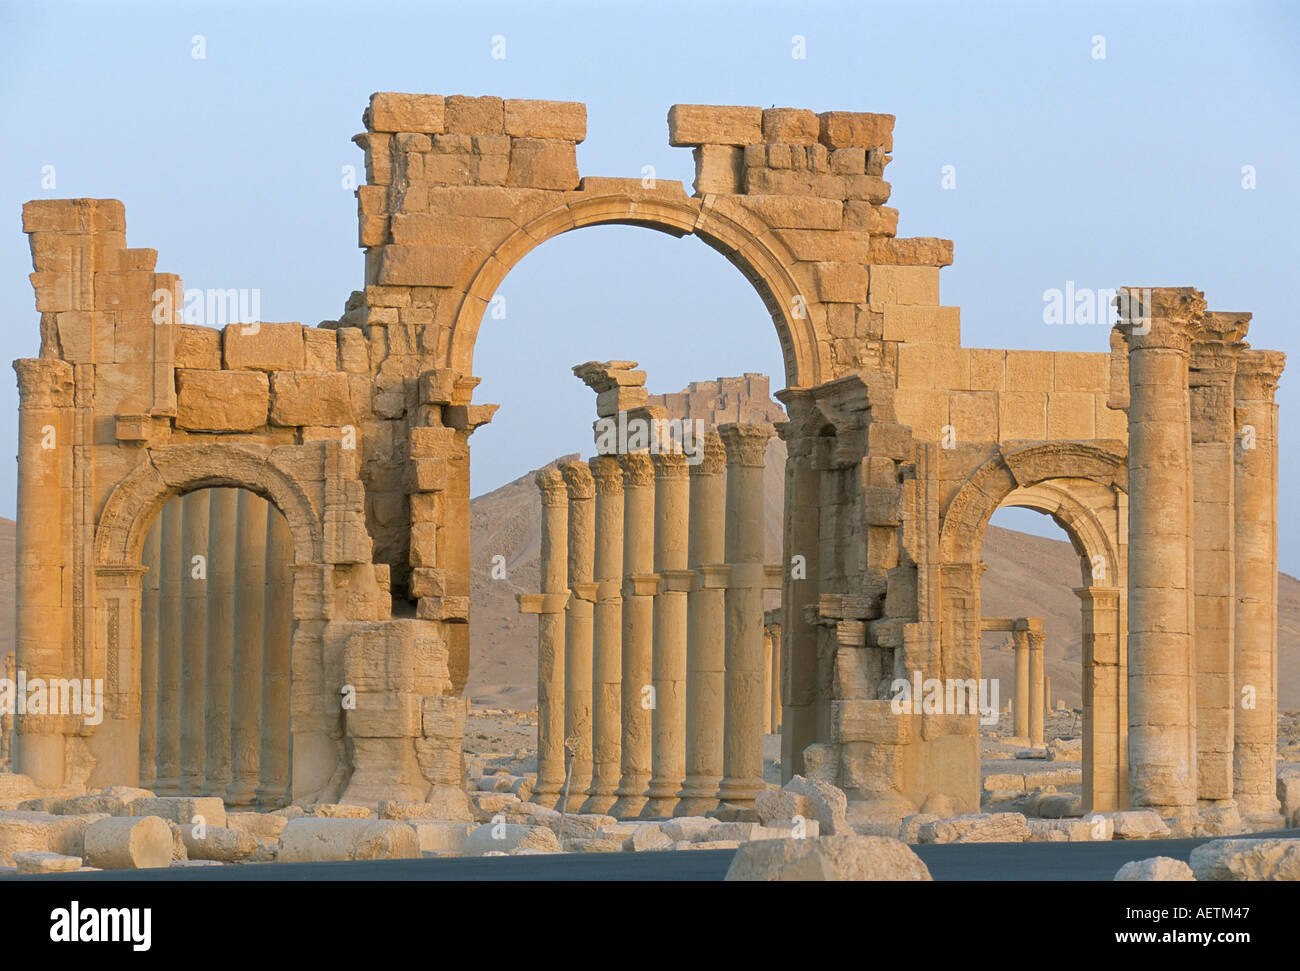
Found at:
(1255, 616)
(277, 634)
(607, 647)
(167, 777)
(196, 516)
(222, 526)
(1020, 703)
(638, 631)
(246, 668)
(578, 627)
(550, 638)
(152, 560)
(742, 762)
(668, 719)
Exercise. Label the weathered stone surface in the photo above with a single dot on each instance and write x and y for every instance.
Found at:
(546, 119)
(264, 347)
(1247, 859)
(218, 843)
(977, 828)
(311, 839)
(714, 125)
(41, 862)
(257, 825)
(311, 398)
(504, 837)
(1137, 824)
(221, 401)
(182, 809)
(128, 843)
(440, 836)
(827, 858)
(1155, 868)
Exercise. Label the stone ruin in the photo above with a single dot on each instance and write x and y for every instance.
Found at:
(1157, 455)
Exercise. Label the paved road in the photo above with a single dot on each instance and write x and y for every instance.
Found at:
(972, 861)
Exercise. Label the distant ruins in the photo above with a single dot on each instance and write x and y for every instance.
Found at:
(1157, 455)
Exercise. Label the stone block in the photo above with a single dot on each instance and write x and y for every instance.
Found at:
(311, 398)
(128, 843)
(320, 349)
(184, 810)
(504, 837)
(537, 163)
(1022, 415)
(1155, 868)
(922, 324)
(393, 112)
(846, 857)
(422, 266)
(198, 348)
(264, 347)
(714, 125)
(546, 119)
(977, 828)
(221, 401)
(42, 862)
(311, 839)
(465, 115)
(1247, 859)
(858, 129)
(793, 126)
(719, 169)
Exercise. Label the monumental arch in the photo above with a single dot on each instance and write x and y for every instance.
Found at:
(901, 443)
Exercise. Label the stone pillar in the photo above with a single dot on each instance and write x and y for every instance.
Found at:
(173, 566)
(152, 560)
(705, 631)
(607, 649)
(1157, 326)
(774, 633)
(43, 621)
(742, 760)
(1217, 342)
(246, 668)
(196, 515)
(578, 627)
(222, 526)
(277, 634)
(767, 679)
(1255, 521)
(1047, 696)
(1020, 705)
(1037, 680)
(639, 585)
(1105, 729)
(550, 638)
(668, 719)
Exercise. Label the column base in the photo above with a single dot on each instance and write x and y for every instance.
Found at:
(215, 787)
(598, 802)
(628, 804)
(734, 812)
(740, 791)
(1263, 822)
(265, 799)
(167, 786)
(659, 807)
(695, 805)
(240, 794)
(546, 799)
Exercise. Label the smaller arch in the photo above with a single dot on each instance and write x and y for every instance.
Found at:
(173, 470)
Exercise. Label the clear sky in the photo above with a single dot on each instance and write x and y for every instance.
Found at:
(1069, 166)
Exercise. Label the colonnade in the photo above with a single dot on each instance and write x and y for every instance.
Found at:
(655, 659)
(216, 625)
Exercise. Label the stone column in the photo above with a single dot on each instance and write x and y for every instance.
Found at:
(173, 566)
(1105, 785)
(578, 626)
(42, 615)
(705, 631)
(639, 585)
(742, 761)
(277, 634)
(1157, 325)
(1255, 521)
(1037, 680)
(607, 664)
(767, 679)
(152, 560)
(774, 632)
(1020, 704)
(246, 668)
(1217, 342)
(222, 526)
(668, 720)
(196, 515)
(550, 638)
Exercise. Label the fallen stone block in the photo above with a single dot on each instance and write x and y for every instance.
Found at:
(45, 804)
(128, 843)
(977, 828)
(594, 845)
(43, 862)
(334, 810)
(1066, 749)
(1219, 821)
(439, 836)
(16, 788)
(1004, 782)
(257, 825)
(823, 802)
(691, 828)
(505, 837)
(827, 858)
(218, 843)
(488, 804)
(179, 852)
(182, 809)
(648, 837)
(707, 845)
(312, 839)
(1059, 805)
(1155, 868)
(1137, 824)
(1247, 859)
(586, 825)
(24, 831)
(910, 831)
(1070, 830)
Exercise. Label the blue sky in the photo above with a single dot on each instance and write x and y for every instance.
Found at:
(1069, 167)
